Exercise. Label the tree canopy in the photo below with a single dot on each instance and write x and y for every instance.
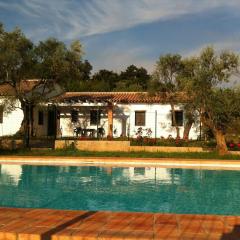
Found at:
(133, 79)
(201, 78)
(49, 61)
(165, 80)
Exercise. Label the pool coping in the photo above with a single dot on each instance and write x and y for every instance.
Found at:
(122, 162)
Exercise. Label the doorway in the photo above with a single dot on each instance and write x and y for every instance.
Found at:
(52, 123)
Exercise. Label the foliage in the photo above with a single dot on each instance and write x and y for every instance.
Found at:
(224, 108)
(62, 64)
(202, 79)
(171, 142)
(82, 79)
(49, 62)
(53, 60)
(165, 80)
(104, 80)
(133, 79)
(165, 75)
(16, 59)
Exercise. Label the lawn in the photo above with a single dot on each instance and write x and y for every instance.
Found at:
(76, 153)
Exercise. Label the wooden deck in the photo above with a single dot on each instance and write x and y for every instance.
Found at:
(44, 224)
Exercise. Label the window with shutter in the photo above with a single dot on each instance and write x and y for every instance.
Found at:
(95, 117)
(74, 116)
(140, 118)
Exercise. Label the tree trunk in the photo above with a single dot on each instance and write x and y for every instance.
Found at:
(31, 119)
(218, 134)
(187, 128)
(221, 142)
(174, 123)
(25, 125)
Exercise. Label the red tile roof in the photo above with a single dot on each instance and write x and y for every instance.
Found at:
(26, 86)
(114, 97)
(121, 97)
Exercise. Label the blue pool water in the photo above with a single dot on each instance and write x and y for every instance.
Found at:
(121, 189)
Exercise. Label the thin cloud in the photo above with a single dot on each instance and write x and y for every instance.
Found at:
(77, 18)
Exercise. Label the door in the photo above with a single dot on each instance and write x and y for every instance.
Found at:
(52, 123)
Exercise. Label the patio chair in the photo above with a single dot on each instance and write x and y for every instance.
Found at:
(101, 132)
(78, 131)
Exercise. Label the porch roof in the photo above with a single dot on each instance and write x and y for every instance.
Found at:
(121, 97)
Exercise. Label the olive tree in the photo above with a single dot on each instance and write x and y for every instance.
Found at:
(218, 106)
(50, 62)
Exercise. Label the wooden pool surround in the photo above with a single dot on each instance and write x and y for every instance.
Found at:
(45, 224)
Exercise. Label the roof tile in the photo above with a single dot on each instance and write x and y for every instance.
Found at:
(121, 97)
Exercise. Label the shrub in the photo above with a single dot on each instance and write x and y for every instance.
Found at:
(232, 146)
(170, 142)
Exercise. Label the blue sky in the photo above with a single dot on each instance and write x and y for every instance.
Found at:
(117, 33)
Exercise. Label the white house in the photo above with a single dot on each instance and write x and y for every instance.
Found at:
(120, 114)
(102, 114)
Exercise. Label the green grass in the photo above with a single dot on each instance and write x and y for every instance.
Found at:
(76, 153)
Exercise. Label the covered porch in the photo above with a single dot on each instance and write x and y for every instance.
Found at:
(91, 116)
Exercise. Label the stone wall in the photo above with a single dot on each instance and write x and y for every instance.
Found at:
(9, 144)
(119, 146)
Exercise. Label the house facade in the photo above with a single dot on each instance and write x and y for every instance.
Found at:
(113, 114)
(10, 122)
(104, 114)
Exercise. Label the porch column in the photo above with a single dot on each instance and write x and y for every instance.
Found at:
(110, 120)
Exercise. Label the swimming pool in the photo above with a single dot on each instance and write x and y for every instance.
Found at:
(144, 189)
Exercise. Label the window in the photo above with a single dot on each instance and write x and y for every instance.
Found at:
(95, 116)
(140, 118)
(40, 117)
(179, 118)
(1, 114)
(74, 116)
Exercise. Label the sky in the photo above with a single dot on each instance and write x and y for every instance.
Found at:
(117, 33)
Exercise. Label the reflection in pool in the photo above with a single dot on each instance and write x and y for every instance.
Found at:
(121, 189)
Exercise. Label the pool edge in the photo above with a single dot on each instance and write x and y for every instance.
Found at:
(123, 162)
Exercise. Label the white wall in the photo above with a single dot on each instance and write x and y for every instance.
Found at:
(11, 121)
(67, 126)
(158, 115)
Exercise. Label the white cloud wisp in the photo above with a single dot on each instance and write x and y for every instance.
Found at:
(78, 18)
